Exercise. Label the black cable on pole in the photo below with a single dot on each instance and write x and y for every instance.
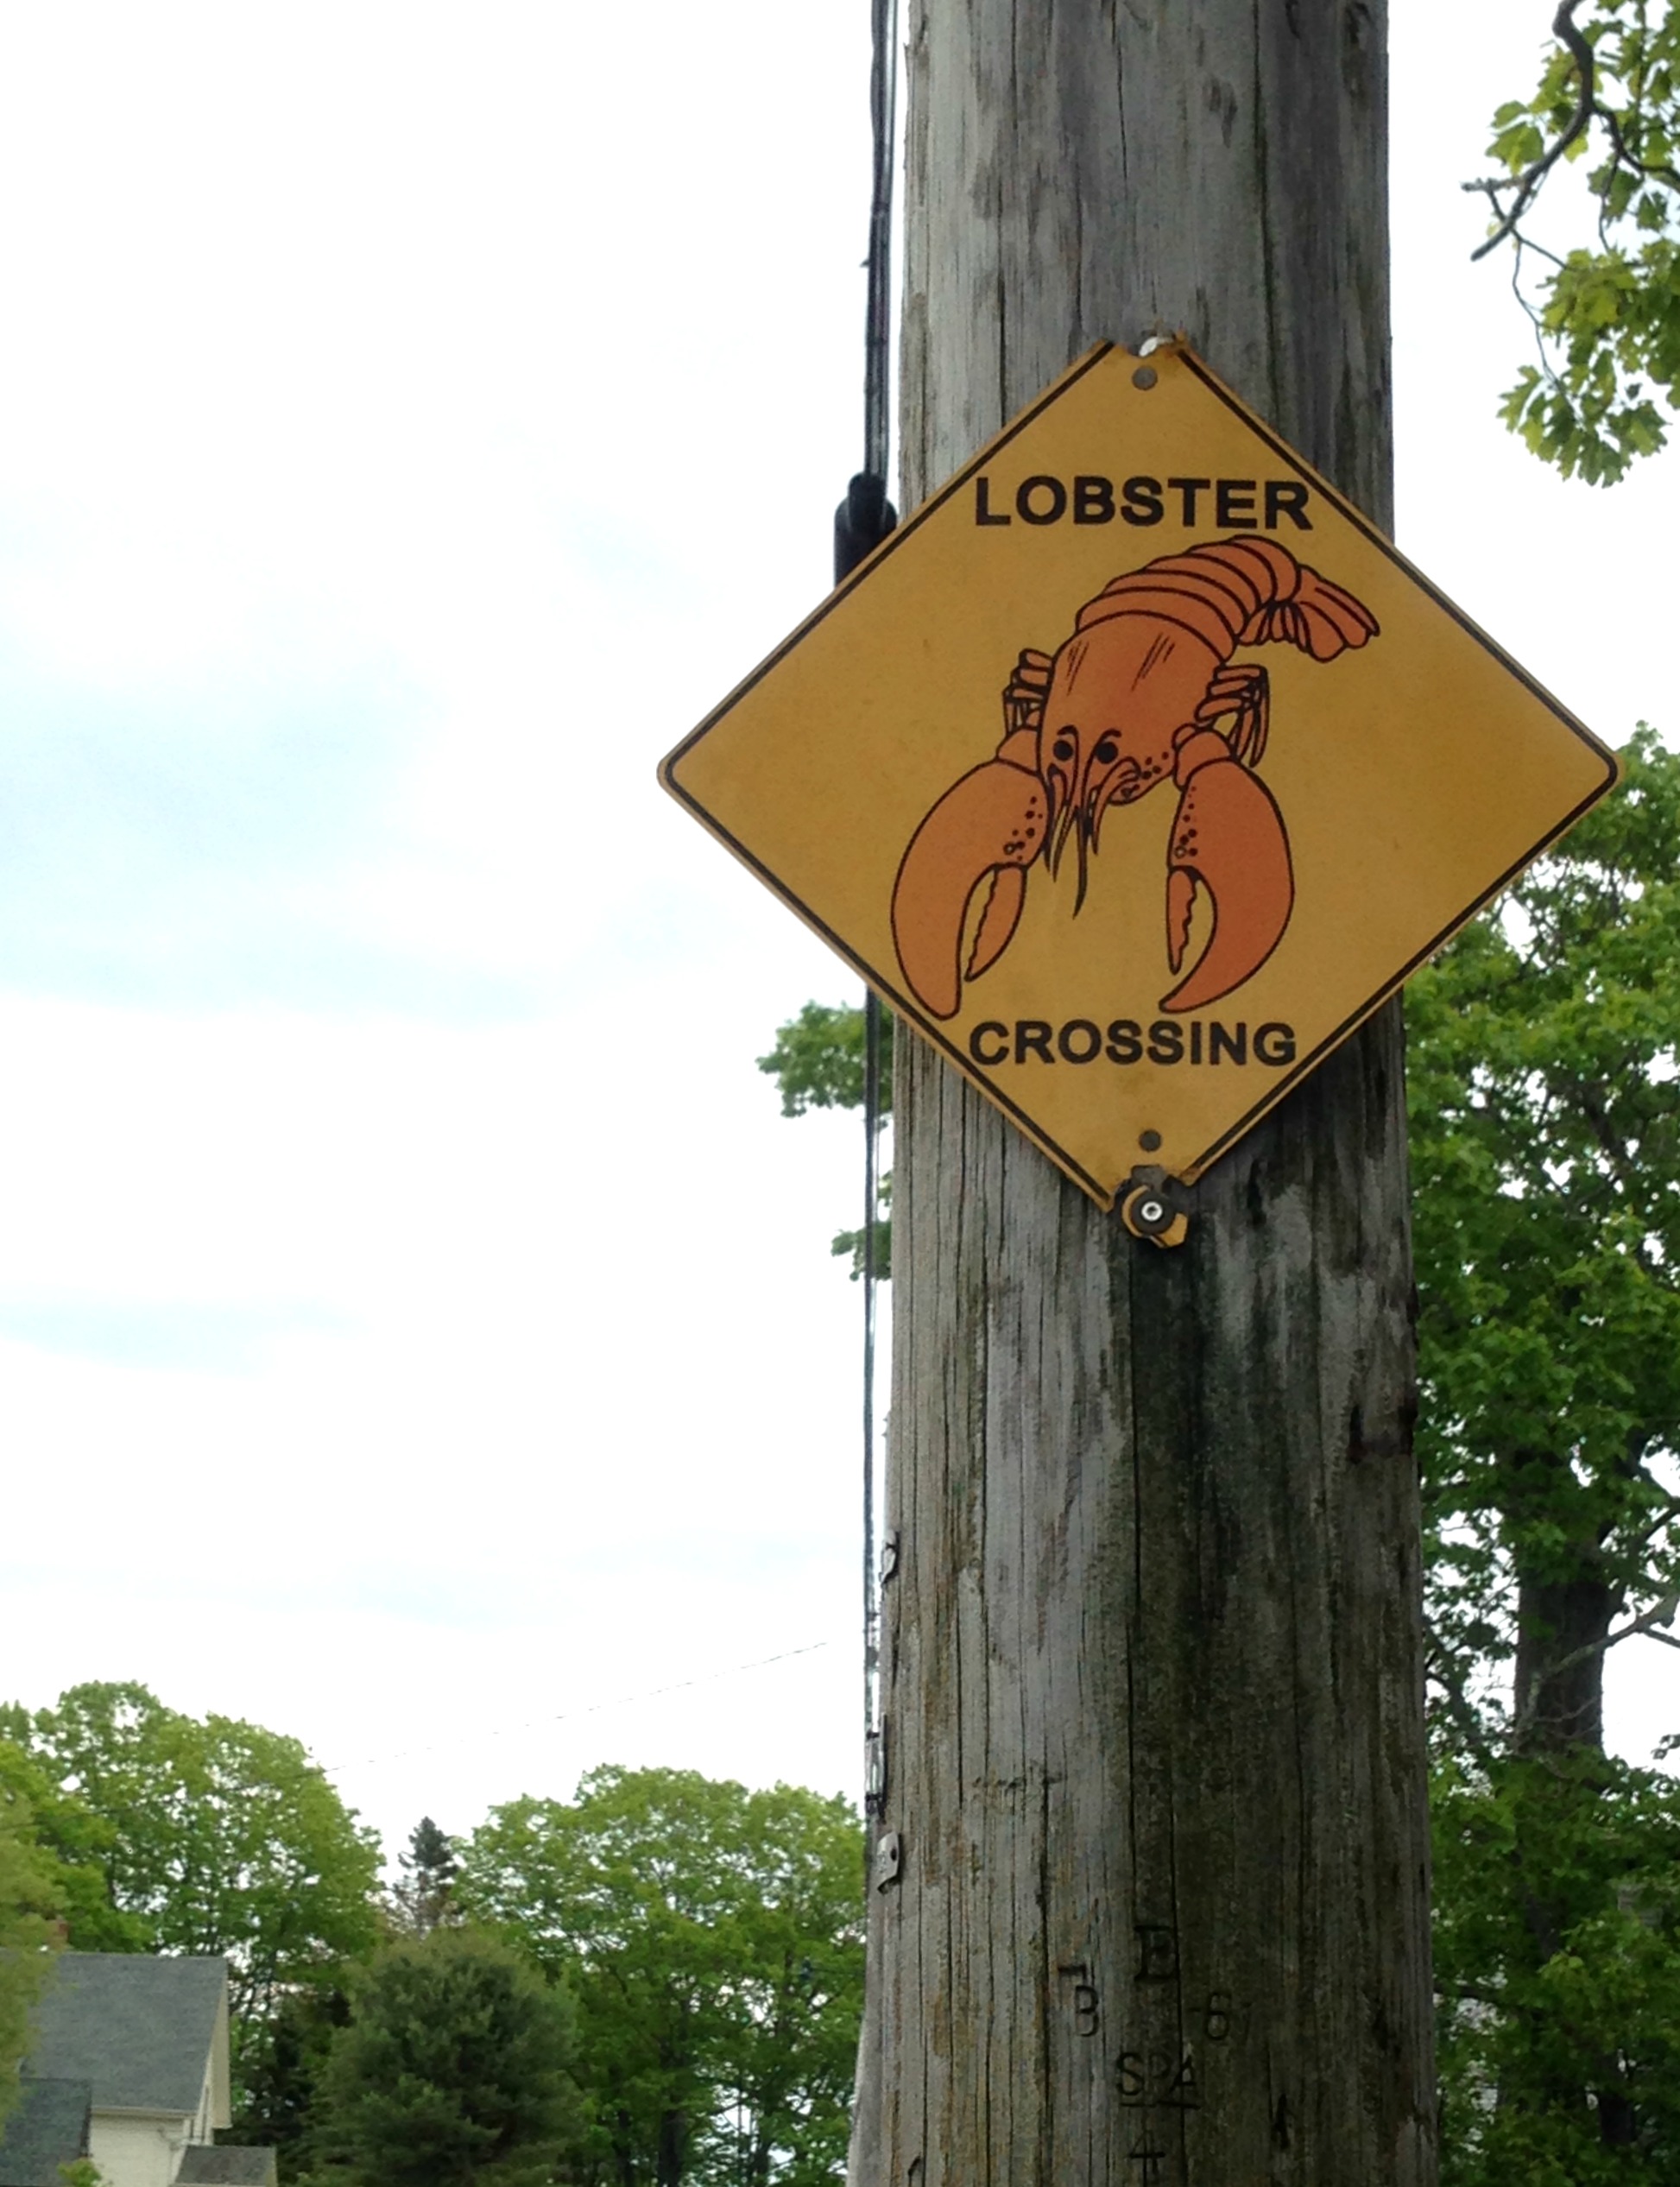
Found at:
(878, 310)
(860, 522)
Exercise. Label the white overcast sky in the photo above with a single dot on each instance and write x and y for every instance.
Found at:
(417, 1330)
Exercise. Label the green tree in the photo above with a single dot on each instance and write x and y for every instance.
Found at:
(817, 1062)
(1545, 1145)
(214, 1835)
(1543, 1075)
(818, 1059)
(75, 1843)
(226, 1837)
(714, 1937)
(1557, 1968)
(425, 1897)
(1605, 314)
(282, 2057)
(29, 1907)
(455, 2067)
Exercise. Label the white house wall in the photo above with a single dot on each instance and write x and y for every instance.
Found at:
(218, 2090)
(134, 2150)
(205, 2118)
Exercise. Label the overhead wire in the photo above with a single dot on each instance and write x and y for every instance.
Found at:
(870, 518)
(570, 1715)
(863, 519)
(878, 308)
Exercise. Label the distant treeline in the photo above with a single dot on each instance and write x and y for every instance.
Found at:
(659, 1980)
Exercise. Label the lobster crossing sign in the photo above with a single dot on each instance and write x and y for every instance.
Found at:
(1136, 769)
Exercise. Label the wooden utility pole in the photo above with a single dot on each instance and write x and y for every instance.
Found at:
(1152, 1675)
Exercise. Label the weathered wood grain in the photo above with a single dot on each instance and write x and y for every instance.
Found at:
(1151, 1669)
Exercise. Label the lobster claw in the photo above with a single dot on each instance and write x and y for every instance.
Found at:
(990, 823)
(1228, 836)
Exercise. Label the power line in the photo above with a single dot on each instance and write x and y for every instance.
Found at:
(570, 1715)
(877, 407)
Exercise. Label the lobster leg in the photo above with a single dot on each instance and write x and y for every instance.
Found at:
(990, 825)
(1242, 689)
(1228, 836)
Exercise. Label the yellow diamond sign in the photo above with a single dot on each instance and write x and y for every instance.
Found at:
(1136, 769)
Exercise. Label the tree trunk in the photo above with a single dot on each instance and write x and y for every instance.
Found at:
(1557, 1693)
(672, 2158)
(1151, 1673)
(1558, 1688)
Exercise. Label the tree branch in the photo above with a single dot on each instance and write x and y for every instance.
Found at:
(1478, 1993)
(1459, 1704)
(1588, 108)
(1665, 1517)
(1660, 1614)
(1527, 184)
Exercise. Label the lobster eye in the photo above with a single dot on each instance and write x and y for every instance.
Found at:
(1106, 752)
(1064, 746)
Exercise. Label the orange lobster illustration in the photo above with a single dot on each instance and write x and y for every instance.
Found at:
(1136, 695)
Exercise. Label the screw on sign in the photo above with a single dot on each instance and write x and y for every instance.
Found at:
(1148, 1213)
(1162, 595)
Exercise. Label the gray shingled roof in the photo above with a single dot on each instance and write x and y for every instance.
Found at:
(202, 2166)
(47, 2128)
(139, 2029)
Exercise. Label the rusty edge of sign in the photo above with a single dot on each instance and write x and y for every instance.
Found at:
(1107, 1195)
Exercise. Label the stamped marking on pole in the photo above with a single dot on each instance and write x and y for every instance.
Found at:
(1082, 1997)
(1158, 1951)
(1249, 772)
(1158, 2080)
(1177, 2042)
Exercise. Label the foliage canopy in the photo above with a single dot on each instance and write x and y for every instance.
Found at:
(713, 1936)
(1605, 314)
(1545, 1146)
(168, 1833)
(222, 1836)
(1545, 1151)
(455, 2068)
(30, 1900)
(1543, 1083)
(818, 1062)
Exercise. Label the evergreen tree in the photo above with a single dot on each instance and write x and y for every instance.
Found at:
(282, 2057)
(455, 2069)
(424, 1898)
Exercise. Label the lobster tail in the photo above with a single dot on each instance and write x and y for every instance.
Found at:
(1195, 590)
(1240, 593)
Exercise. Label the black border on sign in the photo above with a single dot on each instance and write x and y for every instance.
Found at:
(1106, 1195)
